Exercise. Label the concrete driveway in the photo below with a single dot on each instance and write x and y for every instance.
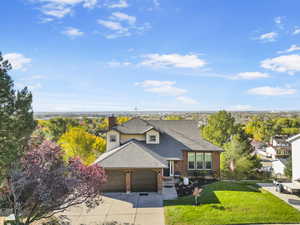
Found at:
(121, 208)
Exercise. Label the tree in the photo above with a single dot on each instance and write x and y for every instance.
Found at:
(45, 185)
(173, 117)
(260, 129)
(288, 168)
(220, 127)
(237, 161)
(76, 142)
(16, 119)
(56, 127)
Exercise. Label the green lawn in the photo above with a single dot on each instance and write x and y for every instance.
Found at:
(230, 203)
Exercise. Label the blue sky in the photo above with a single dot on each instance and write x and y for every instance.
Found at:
(101, 55)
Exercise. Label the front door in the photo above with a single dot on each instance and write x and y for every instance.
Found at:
(169, 172)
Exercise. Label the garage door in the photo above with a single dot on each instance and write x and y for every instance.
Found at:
(144, 181)
(115, 181)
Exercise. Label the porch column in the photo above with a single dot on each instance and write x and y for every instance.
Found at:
(159, 180)
(128, 181)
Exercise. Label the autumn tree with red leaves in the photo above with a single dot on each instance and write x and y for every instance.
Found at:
(45, 184)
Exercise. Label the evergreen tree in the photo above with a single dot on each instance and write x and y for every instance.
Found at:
(16, 119)
(237, 161)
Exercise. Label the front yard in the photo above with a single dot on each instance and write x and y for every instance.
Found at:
(230, 203)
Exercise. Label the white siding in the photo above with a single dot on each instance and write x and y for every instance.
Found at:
(278, 167)
(150, 133)
(296, 159)
(111, 145)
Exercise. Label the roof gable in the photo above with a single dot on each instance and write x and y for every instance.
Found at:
(129, 156)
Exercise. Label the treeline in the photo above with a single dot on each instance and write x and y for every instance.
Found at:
(84, 138)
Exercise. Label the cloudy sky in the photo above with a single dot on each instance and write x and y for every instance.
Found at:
(99, 55)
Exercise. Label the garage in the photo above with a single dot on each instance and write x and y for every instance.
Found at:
(115, 181)
(144, 181)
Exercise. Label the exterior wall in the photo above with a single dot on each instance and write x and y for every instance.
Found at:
(112, 145)
(295, 159)
(181, 166)
(278, 167)
(152, 132)
(126, 137)
(216, 163)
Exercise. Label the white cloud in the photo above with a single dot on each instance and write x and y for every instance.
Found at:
(72, 32)
(123, 17)
(156, 3)
(60, 8)
(161, 87)
(112, 25)
(268, 37)
(250, 76)
(241, 107)
(296, 31)
(173, 60)
(17, 60)
(154, 83)
(118, 64)
(293, 48)
(285, 63)
(271, 91)
(120, 4)
(119, 29)
(186, 100)
(278, 19)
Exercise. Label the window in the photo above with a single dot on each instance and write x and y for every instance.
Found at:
(208, 161)
(152, 138)
(112, 138)
(199, 160)
(191, 160)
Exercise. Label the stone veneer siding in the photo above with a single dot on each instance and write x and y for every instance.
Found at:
(181, 166)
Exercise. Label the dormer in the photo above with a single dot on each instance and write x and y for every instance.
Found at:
(152, 137)
(112, 140)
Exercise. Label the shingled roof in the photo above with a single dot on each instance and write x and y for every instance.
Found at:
(129, 155)
(175, 136)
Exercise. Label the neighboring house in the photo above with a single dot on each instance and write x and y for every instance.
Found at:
(278, 167)
(295, 141)
(141, 152)
(279, 147)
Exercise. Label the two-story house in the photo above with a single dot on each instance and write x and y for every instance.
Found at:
(279, 147)
(141, 152)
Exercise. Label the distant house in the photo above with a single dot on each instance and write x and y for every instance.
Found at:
(140, 153)
(278, 167)
(295, 141)
(279, 147)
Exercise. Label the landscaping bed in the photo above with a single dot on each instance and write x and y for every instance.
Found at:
(230, 203)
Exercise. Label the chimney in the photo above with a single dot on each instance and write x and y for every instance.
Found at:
(111, 122)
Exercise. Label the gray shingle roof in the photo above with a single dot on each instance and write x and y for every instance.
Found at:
(134, 126)
(129, 155)
(175, 136)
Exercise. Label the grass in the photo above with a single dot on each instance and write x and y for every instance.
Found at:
(230, 203)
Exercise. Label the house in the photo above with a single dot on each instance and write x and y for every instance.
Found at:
(278, 167)
(295, 142)
(140, 153)
(279, 147)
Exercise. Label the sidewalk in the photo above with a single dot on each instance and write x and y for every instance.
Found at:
(290, 199)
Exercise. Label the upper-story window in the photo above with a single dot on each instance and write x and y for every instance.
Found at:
(152, 138)
(112, 138)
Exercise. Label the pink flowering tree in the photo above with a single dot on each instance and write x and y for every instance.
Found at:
(44, 184)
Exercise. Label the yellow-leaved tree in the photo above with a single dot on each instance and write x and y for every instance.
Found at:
(77, 142)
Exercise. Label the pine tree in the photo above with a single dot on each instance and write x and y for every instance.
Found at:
(16, 119)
